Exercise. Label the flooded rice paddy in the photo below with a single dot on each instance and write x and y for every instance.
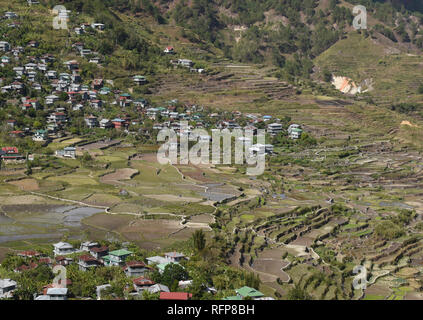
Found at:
(22, 222)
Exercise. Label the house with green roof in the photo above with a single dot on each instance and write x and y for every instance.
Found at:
(162, 266)
(117, 257)
(245, 292)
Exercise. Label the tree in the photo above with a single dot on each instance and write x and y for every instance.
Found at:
(172, 272)
(199, 240)
(297, 293)
(327, 75)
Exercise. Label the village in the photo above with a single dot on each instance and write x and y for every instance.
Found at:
(92, 255)
(61, 93)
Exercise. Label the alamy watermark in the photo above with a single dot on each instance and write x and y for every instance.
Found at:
(360, 19)
(60, 281)
(360, 280)
(178, 140)
(60, 21)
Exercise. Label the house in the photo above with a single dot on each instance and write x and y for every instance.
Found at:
(78, 46)
(51, 99)
(140, 79)
(17, 134)
(98, 26)
(294, 131)
(19, 71)
(158, 288)
(169, 50)
(63, 248)
(91, 121)
(96, 104)
(36, 86)
(88, 245)
(47, 58)
(95, 60)
(245, 292)
(185, 63)
(54, 294)
(104, 91)
(87, 262)
(105, 124)
(72, 65)
(7, 287)
(67, 152)
(51, 74)
(274, 129)
(5, 59)
(141, 102)
(79, 31)
(117, 257)
(142, 283)
(11, 123)
(11, 154)
(10, 15)
(46, 260)
(175, 296)
(136, 269)
(16, 85)
(40, 135)
(185, 284)
(99, 252)
(25, 267)
(118, 123)
(174, 256)
(33, 44)
(57, 117)
(4, 46)
(97, 84)
(63, 261)
(28, 254)
(85, 52)
(156, 260)
(124, 102)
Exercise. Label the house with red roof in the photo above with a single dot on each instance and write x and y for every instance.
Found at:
(11, 123)
(142, 283)
(87, 262)
(169, 50)
(11, 154)
(118, 123)
(175, 296)
(99, 252)
(63, 261)
(29, 254)
(25, 267)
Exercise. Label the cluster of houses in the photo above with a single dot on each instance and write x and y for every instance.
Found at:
(67, 84)
(92, 255)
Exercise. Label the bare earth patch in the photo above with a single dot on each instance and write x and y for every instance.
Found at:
(26, 184)
(120, 174)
